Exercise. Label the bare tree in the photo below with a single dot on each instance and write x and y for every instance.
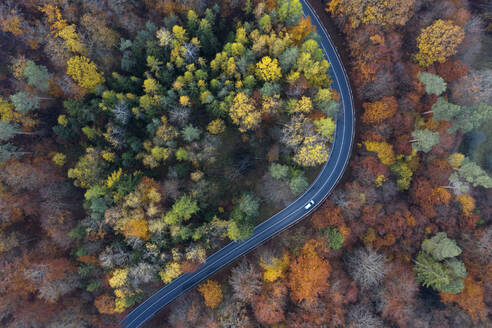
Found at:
(179, 115)
(245, 281)
(366, 267)
(359, 316)
(122, 113)
(142, 273)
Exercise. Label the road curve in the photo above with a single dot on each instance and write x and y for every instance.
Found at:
(318, 191)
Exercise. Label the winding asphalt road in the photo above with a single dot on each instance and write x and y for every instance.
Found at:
(318, 191)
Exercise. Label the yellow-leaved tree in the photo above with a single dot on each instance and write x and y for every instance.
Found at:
(312, 152)
(216, 126)
(137, 228)
(438, 41)
(268, 70)
(275, 268)
(243, 112)
(173, 270)
(384, 151)
(84, 72)
(211, 292)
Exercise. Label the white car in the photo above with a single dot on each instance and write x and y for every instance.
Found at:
(309, 205)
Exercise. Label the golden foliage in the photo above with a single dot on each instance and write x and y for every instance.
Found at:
(268, 69)
(384, 151)
(173, 270)
(455, 160)
(276, 269)
(467, 203)
(243, 112)
(7, 112)
(211, 292)
(379, 12)
(84, 72)
(72, 39)
(59, 159)
(301, 30)
(380, 110)
(438, 41)
(311, 152)
(12, 24)
(308, 274)
(304, 105)
(118, 278)
(137, 228)
(113, 178)
(216, 126)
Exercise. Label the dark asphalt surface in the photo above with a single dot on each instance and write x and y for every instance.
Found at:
(318, 191)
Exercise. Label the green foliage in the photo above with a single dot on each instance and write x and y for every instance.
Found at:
(465, 118)
(8, 130)
(182, 210)
(190, 133)
(37, 76)
(77, 233)
(434, 84)
(24, 103)
(425, 140)
(404, 175)
(81, 251)
(150, 145)
(289, 11)
(93, 286)
(8, 151)
(288, 58)
(334, 237)
(473, 117)
(440, 247)
(265, 23)
(243, 217)
(279, 171)
(249, 205)
(474, 174)
(436, 265)
(444, 111)
(298, 184)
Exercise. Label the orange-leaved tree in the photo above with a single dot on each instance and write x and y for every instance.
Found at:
(380, 110)
(309, 274)
(471, 299)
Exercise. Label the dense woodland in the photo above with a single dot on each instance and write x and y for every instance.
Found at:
(137, 137)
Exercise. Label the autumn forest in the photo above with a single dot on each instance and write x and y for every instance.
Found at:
(138, 137)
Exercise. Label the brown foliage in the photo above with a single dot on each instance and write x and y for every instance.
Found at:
(327, 215)
(471, 299)
(269, 306)
(398, 295)
(105, 304)
(421, 194)
(452, 70)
